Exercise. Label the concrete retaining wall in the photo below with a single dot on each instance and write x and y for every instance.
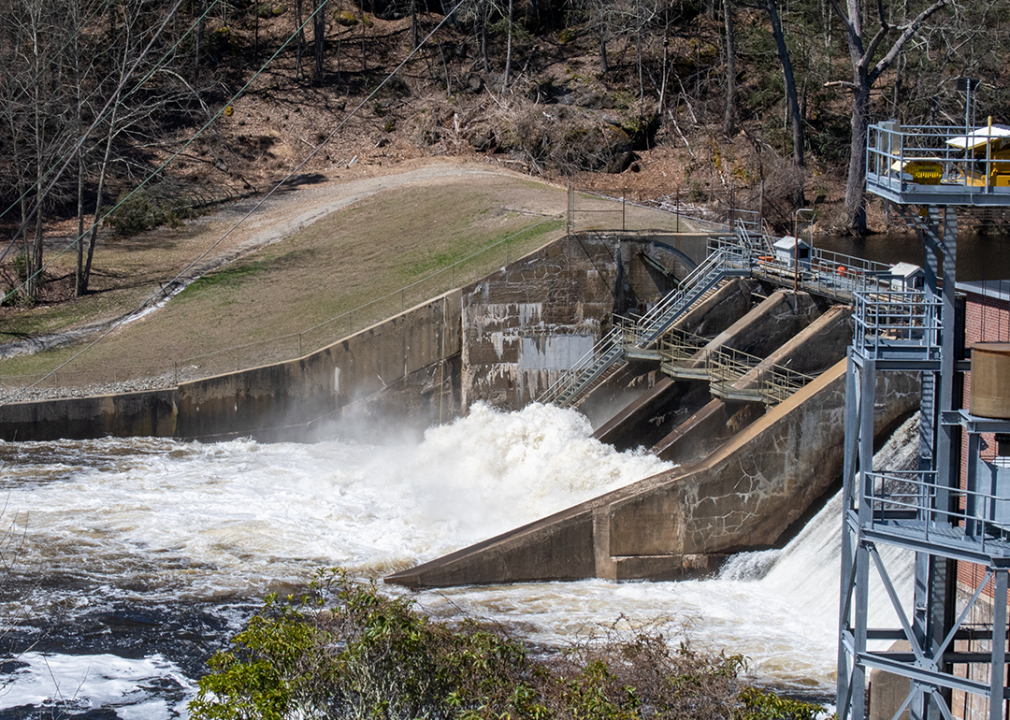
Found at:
(285, 401)
(522, 324)
(531, 321)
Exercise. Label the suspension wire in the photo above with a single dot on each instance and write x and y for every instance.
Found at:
(68, 157)
(162, 291)
(176, 154)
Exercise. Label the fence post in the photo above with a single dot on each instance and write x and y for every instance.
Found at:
(176, 364)
(624, 200)
(678, 208)
(299, 344)
(571, 209)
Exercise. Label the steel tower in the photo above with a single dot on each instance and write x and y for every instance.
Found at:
(928, 512)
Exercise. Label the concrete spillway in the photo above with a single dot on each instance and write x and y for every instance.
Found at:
(743, 495)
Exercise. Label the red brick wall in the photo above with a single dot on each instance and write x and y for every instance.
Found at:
(986, 319)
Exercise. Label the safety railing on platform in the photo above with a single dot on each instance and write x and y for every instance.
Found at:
(890, 322)
(907, 500)
(939, 161)
(779, 384)
(725, 366)
(753, 233)
(677, 346)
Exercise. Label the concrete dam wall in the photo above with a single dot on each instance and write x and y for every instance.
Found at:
(500, 340)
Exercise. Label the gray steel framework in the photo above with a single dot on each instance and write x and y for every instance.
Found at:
(923, 512)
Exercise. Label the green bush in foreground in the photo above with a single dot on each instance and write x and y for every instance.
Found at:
(363, 656)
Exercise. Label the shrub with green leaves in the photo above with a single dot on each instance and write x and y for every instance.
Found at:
(345, 651)
(146, 210)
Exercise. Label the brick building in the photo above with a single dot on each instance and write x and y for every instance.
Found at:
(987, 319)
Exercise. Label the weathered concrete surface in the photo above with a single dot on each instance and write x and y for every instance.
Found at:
(762, 330)
(744, 495)
(531, 321)
(284, 401)
(814, 349)
(641, 284)
(720, 310)
(523, 326)
(280, 401)
(146, 413)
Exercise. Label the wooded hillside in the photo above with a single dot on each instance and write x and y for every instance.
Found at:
(141, 112)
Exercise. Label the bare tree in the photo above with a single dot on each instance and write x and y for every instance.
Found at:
(867, 66)
(792, 96)
(729, 116)
(319, 38)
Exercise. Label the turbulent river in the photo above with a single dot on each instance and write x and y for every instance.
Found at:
(130, 561)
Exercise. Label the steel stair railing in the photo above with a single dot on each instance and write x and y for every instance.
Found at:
(717, 266)
(643, 332)
(587, 369)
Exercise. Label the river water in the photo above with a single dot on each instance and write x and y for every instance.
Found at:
(980, 256)
(136, 559)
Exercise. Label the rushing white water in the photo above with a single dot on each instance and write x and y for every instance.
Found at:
(130, 530)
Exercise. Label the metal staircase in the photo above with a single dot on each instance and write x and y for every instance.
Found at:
(746, 253)
(629, 336)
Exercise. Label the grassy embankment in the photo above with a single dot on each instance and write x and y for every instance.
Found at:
(349, 269)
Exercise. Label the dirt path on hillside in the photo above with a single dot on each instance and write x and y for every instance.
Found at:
(308, 198)
(249, 225)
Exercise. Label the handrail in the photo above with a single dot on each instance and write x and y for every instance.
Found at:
(724, 366)
(569, 378)
(888, 320)
(646, 323)
(625, 333)
(978, 516)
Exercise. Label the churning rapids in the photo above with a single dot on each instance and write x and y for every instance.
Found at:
(138, 558)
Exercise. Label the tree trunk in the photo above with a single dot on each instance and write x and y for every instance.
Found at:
(299, 40)
(80, 284)
(729, 117)
(484, 11)
(855, 196)
(603, 43)
(197, 41)
(792, 96)
(863, 78)
(319, 38)
(364, 60)
(413, 25)
(508, 52)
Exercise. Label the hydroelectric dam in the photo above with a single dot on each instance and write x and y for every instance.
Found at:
(724, 354)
